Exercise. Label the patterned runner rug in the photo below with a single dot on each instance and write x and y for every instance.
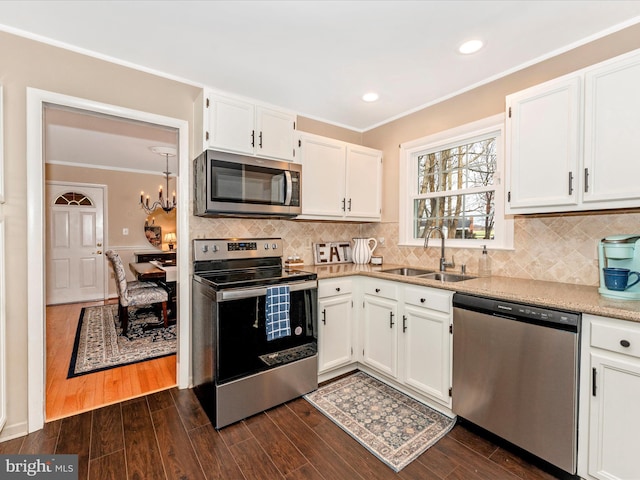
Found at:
(99, 344)
(391, 425)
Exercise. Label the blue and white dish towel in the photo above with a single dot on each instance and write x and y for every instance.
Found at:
(277, 309)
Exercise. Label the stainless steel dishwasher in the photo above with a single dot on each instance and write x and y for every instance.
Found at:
(515, 374)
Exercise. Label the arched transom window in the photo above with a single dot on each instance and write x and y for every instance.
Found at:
(74, 199)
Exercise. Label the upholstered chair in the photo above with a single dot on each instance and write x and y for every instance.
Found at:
(136, 294)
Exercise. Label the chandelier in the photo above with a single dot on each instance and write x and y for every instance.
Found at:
(163, 198)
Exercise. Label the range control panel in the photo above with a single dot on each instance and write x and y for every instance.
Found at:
(234, 248)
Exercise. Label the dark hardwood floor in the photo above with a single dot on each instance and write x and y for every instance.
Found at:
(167, 435)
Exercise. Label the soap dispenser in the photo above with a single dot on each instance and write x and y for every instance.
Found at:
(484, 264)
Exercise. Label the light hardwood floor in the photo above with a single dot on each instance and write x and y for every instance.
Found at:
(65, 397)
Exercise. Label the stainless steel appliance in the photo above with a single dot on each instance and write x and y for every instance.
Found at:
(239, 185)
(515, 374)
(238, 370)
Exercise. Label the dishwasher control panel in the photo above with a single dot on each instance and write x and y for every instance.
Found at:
(517, 311)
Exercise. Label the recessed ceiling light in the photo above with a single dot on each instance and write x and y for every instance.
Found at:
(472, 46)
(370, 97)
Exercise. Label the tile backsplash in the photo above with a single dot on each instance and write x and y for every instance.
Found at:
(560, 248)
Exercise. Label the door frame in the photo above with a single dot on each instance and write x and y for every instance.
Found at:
(105, 227)
(36, 312)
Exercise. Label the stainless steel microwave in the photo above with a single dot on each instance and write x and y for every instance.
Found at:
(227, 184)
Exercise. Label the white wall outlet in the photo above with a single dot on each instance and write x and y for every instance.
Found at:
(125, 231)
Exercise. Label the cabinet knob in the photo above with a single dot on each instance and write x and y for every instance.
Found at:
(377, 290)
(337, 289)
(422, 300)
(625, 343)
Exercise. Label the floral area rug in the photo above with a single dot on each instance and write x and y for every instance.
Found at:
(99, 344)
(391, 425)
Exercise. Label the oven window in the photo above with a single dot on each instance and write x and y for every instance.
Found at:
(242, 345)
(232, 182)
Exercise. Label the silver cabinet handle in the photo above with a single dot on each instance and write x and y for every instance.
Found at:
(570, 183)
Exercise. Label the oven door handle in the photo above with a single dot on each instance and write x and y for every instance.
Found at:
(240, 293)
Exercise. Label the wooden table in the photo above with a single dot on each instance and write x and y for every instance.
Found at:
(148, 272)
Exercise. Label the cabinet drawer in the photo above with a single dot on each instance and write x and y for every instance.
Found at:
(381, 289)
(428, 298)
(614, 337)
(338, 286)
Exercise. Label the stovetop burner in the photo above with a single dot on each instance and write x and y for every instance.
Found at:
(244, 278)
(236, 263)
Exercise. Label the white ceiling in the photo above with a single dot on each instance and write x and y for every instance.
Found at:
(317, 58)
(80, 138)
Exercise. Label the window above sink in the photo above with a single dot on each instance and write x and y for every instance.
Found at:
(452, 180)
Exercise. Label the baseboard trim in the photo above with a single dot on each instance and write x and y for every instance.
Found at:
(9, 432)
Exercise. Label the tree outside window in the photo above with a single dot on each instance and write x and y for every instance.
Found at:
(456, 190)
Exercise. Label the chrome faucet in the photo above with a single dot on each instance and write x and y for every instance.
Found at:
(443, 260)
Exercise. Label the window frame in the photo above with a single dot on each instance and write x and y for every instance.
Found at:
(408, 185)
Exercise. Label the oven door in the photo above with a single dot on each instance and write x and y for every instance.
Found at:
(241, 344)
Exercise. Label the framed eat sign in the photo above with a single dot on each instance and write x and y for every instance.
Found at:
(331, 252)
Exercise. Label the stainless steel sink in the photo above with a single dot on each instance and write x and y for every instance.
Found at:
(447, 277)
(407, 272)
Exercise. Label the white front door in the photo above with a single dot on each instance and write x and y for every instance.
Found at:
(75, 260)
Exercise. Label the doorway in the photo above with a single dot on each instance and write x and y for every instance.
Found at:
(36, 102)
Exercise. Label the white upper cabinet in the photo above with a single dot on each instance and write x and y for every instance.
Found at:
(276, 133)
(612, 132)
(571, 142)
(323, 183)
(341, 181)
(238, 126)
(363, 183)
(543, 145)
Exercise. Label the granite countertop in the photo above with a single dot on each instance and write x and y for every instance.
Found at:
(563, 296)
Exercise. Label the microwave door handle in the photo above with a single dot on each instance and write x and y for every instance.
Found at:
(288, 189)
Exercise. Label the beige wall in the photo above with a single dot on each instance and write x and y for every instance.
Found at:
(25, 63)
(123, 196)
(308, 125)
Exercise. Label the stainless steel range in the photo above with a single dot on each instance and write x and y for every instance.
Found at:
(254, 338)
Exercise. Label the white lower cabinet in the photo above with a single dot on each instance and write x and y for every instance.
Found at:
(399, 332)
(426, 342)
(406, 336)
(380, 334)
(614, 406)
(335, 326)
